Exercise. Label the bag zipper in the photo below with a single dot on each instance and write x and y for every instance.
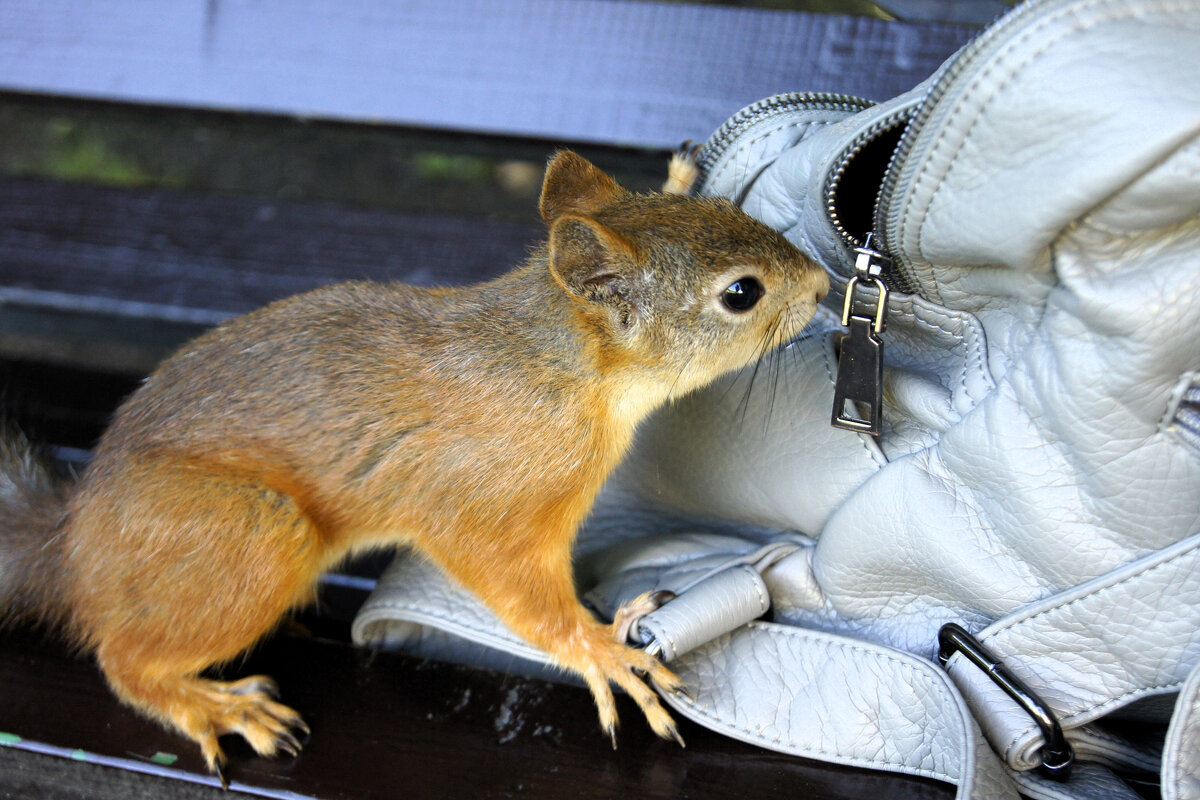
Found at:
(751, 115)
(892, 275)
(1187, 416)
(887, 214)
(858, 389)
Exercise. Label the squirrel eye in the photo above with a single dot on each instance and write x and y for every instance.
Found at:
(742, 294)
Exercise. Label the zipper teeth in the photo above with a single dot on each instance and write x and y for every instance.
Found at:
(938, 89)
(754, 113)
(856, 146)
(1188, 414)
(893, 278)
(1187, 418)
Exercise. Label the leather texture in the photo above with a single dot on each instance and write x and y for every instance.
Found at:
(1038, 476)
(1122, 630)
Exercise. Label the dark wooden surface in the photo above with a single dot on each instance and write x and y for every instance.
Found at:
(634, 74)
(384, 726)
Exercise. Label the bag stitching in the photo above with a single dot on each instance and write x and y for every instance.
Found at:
(1016, 627)
(978, 355)
(457, 622)
(994, 65)
(798, 633)
(731, 163)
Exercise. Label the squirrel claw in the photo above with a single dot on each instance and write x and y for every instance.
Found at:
(218, 767)
(671, 729)
(301, 726)
(682, 691)
(256, 684)
(289, 744)
(628, 615)
(689, 150)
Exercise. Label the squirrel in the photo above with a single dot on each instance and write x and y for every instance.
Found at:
(473, 424)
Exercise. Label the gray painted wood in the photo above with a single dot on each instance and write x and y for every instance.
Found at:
(114, 279)
(198, 258)
(607, 71)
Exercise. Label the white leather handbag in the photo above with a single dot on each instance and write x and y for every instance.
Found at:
(987, 570)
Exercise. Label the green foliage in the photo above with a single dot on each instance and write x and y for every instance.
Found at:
(71, 152)
(434, 166)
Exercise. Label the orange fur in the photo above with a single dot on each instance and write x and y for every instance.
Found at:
(475, 424)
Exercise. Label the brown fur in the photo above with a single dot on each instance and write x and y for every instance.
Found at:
(474, 424)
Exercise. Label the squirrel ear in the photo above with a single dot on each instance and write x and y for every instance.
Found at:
(591, 261)
(573, 185)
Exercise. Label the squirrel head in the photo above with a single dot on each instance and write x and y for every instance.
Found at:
(676, 290)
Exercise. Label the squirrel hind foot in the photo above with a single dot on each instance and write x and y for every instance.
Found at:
(682, 171)
(204, 710)
(247, 708)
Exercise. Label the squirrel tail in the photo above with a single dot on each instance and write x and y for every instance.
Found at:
(32, 509)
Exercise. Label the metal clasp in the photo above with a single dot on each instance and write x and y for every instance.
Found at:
(1057, 753)
(868, 266)
(858, 388)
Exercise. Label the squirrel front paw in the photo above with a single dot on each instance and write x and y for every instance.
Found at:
(601, 661)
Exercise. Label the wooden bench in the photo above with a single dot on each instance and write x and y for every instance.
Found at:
(166, 165)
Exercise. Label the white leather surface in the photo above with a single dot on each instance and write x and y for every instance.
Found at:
(1041, 376)
(838, 700)
(727, 600)
(1053, 647)
(1031, 462)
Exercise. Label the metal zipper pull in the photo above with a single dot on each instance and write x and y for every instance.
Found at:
(858, 390)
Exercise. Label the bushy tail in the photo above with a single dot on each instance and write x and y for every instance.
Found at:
(32, 507)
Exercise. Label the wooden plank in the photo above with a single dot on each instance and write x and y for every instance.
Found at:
(198, 257)
(387, 727)
(639, 74)
(115, 278)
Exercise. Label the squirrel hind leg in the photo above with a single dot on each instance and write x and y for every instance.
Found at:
(232, 557)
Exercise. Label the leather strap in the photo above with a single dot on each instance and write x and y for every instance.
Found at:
(1082, 653)
(720, 603)
(889, 710)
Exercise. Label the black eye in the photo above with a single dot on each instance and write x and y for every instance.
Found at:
(742, 294)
